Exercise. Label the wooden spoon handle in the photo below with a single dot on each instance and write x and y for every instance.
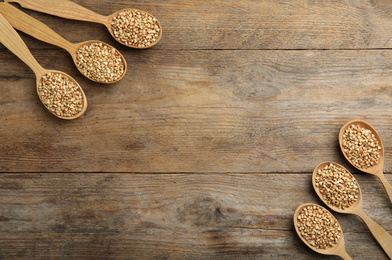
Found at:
(345, 256)
(62, 8)
(387, 186)
(29, 25)
(12, 41)
(382, 236)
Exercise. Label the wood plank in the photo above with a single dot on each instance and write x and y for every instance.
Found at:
(205, 149)
(200, 111)
(247, 24)
(172, 216)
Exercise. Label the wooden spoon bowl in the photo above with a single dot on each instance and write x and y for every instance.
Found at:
(376, 169)
(382, 236)
(338, 249)
(111, 18)
(12, 41)
(352, 209)
(44, 72)
(118, 71)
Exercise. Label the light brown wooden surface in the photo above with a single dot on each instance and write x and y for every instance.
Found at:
(206, 147)
(178, 216)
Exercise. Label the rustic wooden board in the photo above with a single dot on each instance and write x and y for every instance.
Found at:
(200, 111)
(250, 25)
(176, 216)
(205, 148)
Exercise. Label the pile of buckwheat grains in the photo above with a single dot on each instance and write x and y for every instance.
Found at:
(60, 94)
(100, 62)
(361, 147)
(135, 28)
(337, 186)
(318, 227)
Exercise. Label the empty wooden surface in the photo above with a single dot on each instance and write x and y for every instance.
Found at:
(206, 147)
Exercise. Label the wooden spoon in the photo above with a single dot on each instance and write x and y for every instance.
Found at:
(382, 236)
(11, 40)
(71, 10)
(338, 249)
(35, 28)
(376, 169)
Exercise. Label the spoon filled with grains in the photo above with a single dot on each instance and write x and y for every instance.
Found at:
(338, 188)
(319, 230)
(60, 93)
(362, 147)
(96, 60)
(131, 27)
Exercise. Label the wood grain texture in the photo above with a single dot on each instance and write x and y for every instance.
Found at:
(267, 24)
(247, 111)
(206, 147)
(175, 216)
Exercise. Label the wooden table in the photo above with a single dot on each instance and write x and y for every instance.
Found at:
(206, 147)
